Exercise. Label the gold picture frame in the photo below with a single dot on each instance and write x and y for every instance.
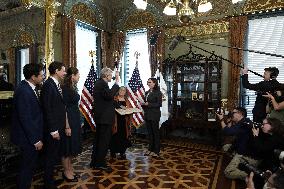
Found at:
(194, 96)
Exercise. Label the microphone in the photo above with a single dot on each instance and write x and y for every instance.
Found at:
(175, 42)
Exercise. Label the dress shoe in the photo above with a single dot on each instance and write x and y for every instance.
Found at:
(77, 176)
(103, 168)
(68, 179)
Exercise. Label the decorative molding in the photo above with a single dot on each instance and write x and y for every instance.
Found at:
(24, 37)
(252, 6)
(140, 19)
(82, 12)
(87, 11)
(152, 11)
(200, 29)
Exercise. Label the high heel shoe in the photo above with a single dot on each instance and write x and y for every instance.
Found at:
(68, 179)
(76, 176)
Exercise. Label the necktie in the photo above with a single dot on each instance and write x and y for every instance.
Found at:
(59, 89)
(36, 92)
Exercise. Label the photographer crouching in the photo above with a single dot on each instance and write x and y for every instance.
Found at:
(241, 145)
(266, 139)
(274, 181)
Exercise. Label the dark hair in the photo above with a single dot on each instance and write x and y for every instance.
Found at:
(55, 65)
(32, 69)
(68, 78)
(154, 80)
(242, 110)
(276, 126)
(273, 72)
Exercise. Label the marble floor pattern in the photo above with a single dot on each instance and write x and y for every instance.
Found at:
(182, 165)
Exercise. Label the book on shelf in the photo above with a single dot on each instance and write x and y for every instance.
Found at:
(127, 111)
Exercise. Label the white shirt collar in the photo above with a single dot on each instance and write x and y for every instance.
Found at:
(55, 80)
(32, 85)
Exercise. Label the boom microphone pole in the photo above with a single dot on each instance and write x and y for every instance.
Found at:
(212, 53)
(237, 48)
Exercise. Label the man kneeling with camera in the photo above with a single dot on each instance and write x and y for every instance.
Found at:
(271, 181)
(251, 143)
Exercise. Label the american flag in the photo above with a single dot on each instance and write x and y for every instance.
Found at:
(136, 96)
(87, 100)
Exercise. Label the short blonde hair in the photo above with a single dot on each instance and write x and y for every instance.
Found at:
(105, 72)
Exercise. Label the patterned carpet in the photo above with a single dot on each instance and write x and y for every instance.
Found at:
(182, 165)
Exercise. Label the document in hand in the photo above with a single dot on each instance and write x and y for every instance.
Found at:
(127, 111)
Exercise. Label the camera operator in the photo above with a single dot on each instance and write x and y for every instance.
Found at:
(275, 181)
(276, 105)
(243, 136)
(270, 84)
(266, 140)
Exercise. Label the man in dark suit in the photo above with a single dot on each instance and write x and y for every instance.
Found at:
(54, 114)
(104, 113)
(27, 126)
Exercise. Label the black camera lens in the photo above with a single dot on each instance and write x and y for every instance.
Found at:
(246, 167)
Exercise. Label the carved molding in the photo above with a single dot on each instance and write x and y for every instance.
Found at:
(261, 5)
(140, 19)
(82, 12)
(25, 36)
(87, 11)
(200, 29)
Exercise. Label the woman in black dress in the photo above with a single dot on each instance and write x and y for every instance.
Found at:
(71, 141)
(120, 130)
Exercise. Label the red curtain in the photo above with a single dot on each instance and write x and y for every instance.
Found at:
(69, 41)
(238, 28)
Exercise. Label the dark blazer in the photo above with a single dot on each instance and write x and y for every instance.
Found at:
(53, 107)
(261, 88)
(104, 102)
(152, 111)
(27, 123)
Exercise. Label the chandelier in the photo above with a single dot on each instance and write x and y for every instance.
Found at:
(186, 8)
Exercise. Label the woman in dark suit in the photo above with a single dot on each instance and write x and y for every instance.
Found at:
(152, 114)
(71, 141)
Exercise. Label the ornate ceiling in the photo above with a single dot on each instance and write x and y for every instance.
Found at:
(112, 14)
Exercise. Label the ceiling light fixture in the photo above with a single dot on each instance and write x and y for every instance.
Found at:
(140, 4)
(236, 1)
(187, 8)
